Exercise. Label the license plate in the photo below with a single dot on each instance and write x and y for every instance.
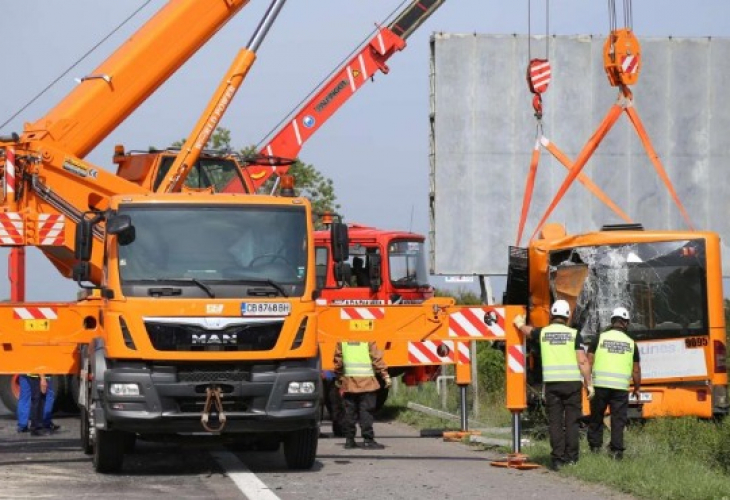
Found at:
(265, 309)
(645, 397)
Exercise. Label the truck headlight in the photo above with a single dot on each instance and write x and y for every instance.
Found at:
(117, 389)
(301, 388)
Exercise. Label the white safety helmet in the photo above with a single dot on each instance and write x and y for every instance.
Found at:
(560, 309)
(620, 312)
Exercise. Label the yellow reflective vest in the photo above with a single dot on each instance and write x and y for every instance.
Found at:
(557, 351)
(614, 360)
(356, 358)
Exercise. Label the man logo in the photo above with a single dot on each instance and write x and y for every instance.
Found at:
(214, 338)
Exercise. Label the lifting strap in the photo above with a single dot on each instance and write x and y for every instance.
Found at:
(565, 161)
(624, 104)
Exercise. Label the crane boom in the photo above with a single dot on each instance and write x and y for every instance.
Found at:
(218, 104)
(288, 142)
(120, 84)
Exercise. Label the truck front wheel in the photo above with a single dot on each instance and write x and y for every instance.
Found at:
(300, 448)
(108, 451)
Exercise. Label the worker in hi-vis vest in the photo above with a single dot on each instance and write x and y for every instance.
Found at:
(356, 367)
(564, 365)
(615, 360)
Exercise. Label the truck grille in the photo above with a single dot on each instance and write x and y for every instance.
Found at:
(181, 337)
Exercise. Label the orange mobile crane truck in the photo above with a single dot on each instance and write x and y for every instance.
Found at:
(199, 307)
(184, 320)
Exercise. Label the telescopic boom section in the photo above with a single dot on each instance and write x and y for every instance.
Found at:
(288, 142)
(209, 120)
(115, 89)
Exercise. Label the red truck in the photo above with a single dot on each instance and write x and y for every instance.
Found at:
(385, 267)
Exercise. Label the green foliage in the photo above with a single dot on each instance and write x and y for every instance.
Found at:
(491, 367)
(687, 436)
(722, 450)
(311, 184)
(668, 458)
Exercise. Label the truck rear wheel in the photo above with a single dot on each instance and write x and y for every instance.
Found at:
(87, 443)
(300, 448)
(9, 392)
(108, 451)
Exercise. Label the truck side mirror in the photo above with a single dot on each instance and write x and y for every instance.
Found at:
(339, 241)
(375, 271)
(83, 240)
(121, 226)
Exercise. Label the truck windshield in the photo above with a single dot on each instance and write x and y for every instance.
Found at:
(233, 251)
(407, 263)
(222, 175)
(662, 284)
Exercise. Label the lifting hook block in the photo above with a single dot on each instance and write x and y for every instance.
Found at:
(213, 401)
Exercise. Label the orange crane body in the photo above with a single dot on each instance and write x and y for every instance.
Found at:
(198, 309)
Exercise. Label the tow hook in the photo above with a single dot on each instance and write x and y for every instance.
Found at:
(213, 405)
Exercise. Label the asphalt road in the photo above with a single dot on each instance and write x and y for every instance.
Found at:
(409, 467)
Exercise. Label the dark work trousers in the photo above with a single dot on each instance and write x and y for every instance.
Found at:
(37, 403)
(337, 412)
(618, 401)
(359, 408)
(563, 402)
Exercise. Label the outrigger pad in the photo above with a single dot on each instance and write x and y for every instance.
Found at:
(516, 461)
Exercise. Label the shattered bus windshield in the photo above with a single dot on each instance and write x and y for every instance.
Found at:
(662, 284)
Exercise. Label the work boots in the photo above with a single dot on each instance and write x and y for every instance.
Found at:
(371, 444)
(350, 443)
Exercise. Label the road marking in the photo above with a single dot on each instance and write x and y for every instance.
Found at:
(247, 482)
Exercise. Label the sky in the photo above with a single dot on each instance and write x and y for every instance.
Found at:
(375, 148)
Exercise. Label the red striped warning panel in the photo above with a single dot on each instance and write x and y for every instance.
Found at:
(11, 228)
(35, 313)
(437, 351)
(362, 313)
(51, 228)
(470, 322)
(516, 359)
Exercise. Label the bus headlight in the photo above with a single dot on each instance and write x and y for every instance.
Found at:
(117, 389)
(301, 388)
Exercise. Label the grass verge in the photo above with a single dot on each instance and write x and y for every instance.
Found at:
(669, 459)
